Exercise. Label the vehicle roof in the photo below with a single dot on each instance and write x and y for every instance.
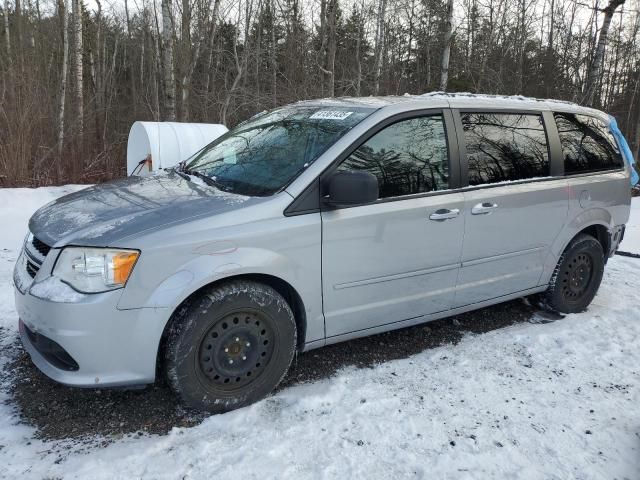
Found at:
(457, 100)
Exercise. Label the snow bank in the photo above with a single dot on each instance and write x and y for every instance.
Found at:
(631, 242)
(536, 400)
(16, 207)
(18, 204)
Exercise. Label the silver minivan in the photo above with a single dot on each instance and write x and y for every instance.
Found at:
(315, 223)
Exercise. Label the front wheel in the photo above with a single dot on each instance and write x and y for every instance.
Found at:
(577, 276)
(230, 346)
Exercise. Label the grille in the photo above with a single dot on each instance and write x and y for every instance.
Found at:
(41, 247)
(32, 269)
(36, 251)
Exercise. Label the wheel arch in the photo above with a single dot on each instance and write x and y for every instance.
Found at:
(597, 228)
(601, 233)
(284, 288)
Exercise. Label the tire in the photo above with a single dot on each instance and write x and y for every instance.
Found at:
(230, 346)
(577, 276)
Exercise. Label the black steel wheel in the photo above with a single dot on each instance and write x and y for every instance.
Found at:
(230, 346)
(236, 349)
(577, 277)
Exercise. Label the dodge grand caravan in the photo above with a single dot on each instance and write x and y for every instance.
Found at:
(316, 223)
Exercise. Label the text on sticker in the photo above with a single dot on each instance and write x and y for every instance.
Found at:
(330, 115)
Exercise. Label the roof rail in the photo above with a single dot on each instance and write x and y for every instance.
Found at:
(489, 96)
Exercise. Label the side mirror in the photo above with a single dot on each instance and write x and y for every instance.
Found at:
(352, 188)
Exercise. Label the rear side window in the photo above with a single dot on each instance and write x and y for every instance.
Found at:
(587, 144)
(407, 157)
(505, 147)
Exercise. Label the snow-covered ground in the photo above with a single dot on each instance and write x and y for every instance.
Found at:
(553, 400)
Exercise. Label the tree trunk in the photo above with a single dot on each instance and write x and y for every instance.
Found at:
(406, 70)
(379, 48)
(129, 60)
(7, 34)
(330, 65)
(258, 54)
(523, 44)
(156, 73)
(76, 7)
(169, 103)
(241, 64)
(18, 46)
(323, 43)
(274, 57)
(185, 58)
(211, 38)
(358, 55)
(549, 70)
(444, 74)
(596, 64)
(62, 13)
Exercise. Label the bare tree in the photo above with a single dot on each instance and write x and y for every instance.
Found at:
(360, 34)
(187, 76)
(225, 60)
(330, 55)
(7, 34)
(76, 7)
(169, 82)
(18, 45)
(446, 52)
(274, 58)
(63, 14)
(240, 61)
(379, 51)
(596, 64)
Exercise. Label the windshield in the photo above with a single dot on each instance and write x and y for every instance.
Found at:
(262, 155)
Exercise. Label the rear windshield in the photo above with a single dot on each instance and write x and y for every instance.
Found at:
(262, 155)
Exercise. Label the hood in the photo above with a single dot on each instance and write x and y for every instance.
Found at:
(105, 214)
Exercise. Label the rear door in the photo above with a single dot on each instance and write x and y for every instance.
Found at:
(513, 207)
(398, 258)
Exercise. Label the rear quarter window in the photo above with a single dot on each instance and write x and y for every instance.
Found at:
(587, 144)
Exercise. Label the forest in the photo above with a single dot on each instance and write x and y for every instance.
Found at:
(75, 75)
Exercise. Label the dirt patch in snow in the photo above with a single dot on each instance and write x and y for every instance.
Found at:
(60, 412)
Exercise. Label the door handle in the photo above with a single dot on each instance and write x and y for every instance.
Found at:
(444, 214)
(484, 208)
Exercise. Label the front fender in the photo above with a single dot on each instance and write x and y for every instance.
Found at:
(161, 283)
(205, 269)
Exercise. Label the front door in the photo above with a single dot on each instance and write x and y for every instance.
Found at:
(398, 258)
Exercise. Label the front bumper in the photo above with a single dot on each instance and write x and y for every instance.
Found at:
(111, 347)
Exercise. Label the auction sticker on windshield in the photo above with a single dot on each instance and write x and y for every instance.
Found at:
(330, 115)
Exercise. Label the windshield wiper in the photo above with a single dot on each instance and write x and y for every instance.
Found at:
(180, 173)
(207, 179)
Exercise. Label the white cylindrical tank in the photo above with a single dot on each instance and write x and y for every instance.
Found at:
(166, 144)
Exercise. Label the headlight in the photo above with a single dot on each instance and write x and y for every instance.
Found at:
(92, 270)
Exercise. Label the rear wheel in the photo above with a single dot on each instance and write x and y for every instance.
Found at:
(577, 276)
(230, 347)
